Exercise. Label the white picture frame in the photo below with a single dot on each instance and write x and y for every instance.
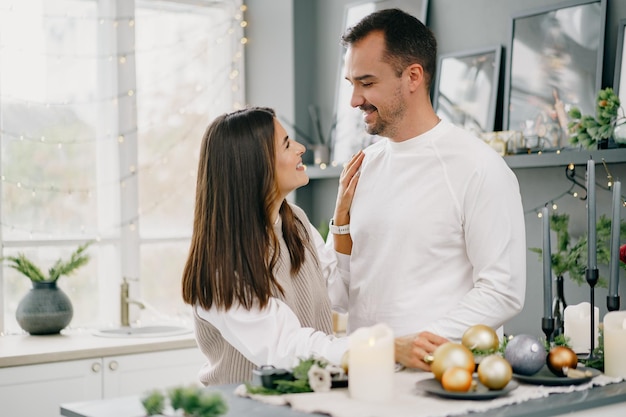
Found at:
(466, 88)
(348, 134)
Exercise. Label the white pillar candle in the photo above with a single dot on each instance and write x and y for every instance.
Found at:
(371, 364)
(577, 326)
(615, 343)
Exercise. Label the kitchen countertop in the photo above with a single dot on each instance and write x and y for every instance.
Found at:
(18, 350)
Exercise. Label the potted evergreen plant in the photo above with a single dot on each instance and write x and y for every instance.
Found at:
(46, 309)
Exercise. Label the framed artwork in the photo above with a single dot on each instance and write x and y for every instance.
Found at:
(554, 62)
(466, 88)
(620, 63)
(349, 135)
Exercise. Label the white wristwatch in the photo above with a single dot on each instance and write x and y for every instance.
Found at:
(339, 230)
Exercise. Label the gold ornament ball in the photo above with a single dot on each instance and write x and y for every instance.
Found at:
(451, 354)
(480, 337)
(561, 358)
(456, 379)
(494, 372)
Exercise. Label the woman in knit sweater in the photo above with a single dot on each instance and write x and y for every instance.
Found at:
(257, 271)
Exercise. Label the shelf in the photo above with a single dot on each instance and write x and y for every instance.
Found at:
(565, 157)
(542, 160)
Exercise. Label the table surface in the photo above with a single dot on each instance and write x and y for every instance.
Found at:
(552, 405)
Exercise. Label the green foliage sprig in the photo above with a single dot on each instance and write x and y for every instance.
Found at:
(597, 358)
(193, 401)
(25, 266)
(311, 374)
(571, 258)
(587, 130)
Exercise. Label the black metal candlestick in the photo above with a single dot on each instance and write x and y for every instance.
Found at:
(547, 325)
(612, 302)
(558, 307)
(592, 279)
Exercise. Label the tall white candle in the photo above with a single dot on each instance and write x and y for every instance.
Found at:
(547, 265)
(615, 241)
(615, 343)
(591, 215)
(371, 364)
(577, 326)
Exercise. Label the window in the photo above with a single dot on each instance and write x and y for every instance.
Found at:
(103, 105)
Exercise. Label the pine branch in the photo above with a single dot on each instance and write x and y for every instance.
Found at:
(77, 259)
(23, 265)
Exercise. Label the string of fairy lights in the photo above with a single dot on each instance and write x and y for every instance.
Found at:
(31, 184)
(576, 183)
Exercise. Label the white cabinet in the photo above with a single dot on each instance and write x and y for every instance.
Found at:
(136, 374)
(37, 390)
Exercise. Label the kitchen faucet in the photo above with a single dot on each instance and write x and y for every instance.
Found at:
(125, 302)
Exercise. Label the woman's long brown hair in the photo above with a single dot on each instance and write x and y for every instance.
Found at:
(233, 246)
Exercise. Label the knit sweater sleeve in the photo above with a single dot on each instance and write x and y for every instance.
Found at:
(273, 335)
(335, 268)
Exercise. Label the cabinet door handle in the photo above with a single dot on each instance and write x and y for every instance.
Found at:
(113, 365)
(95, 367)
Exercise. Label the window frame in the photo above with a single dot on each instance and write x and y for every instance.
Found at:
(123, 119)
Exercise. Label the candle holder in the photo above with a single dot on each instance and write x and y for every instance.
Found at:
(591, 274)
(558, 307)
(547, 325)
(612, 302)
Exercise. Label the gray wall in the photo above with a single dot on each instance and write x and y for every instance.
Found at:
(459, 25)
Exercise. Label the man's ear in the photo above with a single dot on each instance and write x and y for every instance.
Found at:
(416, 76)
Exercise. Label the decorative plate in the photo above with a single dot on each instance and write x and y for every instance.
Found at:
(433, 386)
(546, 377)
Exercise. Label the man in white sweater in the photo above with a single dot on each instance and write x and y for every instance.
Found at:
(432, 240)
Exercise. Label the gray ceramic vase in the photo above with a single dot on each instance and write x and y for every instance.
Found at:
(45, 309)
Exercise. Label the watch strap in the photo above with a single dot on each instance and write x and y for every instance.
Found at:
(338, 230)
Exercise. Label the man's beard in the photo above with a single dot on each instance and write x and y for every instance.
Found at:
(388, 126)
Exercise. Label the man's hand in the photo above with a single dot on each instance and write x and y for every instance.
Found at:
(411, 350)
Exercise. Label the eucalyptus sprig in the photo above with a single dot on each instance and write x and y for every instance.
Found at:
(28, 268)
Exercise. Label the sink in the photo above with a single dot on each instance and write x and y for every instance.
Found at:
(144, 331)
